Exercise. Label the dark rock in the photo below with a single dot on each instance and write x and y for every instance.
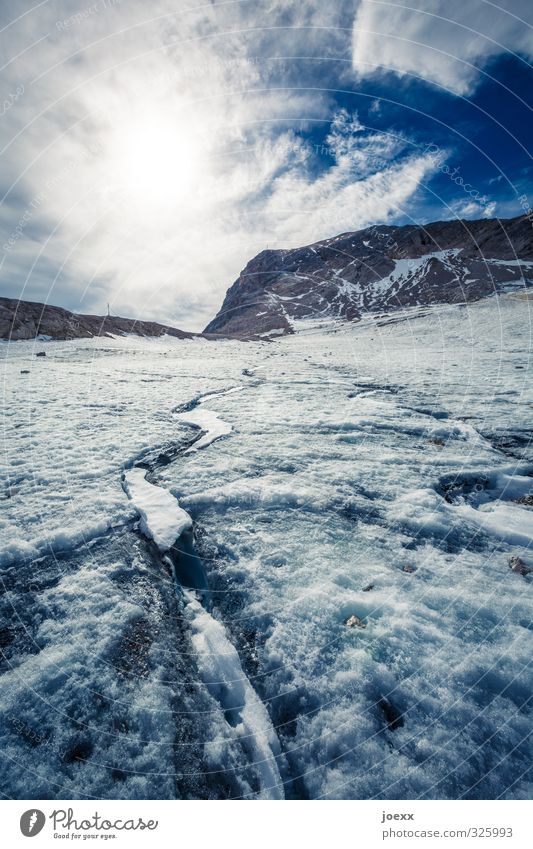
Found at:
(392, 715)
(516, 564)
(79, 750)
(527, 500)
(27, 320)
(514, 443)
(368, 588)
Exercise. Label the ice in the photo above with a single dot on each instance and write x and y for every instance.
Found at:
(209, 422)
(82, 415)
(502, 507)
(381, 470)
(511, 523)
(221, 670)
(162, 519)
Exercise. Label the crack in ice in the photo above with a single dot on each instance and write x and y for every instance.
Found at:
(165, 522)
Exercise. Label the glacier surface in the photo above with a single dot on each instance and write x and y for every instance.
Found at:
(272, 569)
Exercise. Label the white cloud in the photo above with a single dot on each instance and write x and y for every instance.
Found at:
(373, 176)
(441, 41)
(470, 209)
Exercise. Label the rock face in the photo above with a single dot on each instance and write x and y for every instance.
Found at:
(379, 268)
(26, 320)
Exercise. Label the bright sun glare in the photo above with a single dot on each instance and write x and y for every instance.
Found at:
(154, 164)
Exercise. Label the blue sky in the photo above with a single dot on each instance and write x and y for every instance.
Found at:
(150, 150)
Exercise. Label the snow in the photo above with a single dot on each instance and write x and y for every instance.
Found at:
(162, 519)
(393, 454)
(277, 331)
(411, 269)
(513, 263)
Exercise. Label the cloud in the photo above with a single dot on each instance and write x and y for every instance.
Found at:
(447, 42)
(372, 177)
(470, 209)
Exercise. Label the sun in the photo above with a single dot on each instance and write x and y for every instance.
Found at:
(155, 163)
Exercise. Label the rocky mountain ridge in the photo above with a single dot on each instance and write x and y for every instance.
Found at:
(28, 320)
(379, 268)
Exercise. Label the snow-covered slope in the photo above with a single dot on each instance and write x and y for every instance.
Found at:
(379, 268)
(350, 616)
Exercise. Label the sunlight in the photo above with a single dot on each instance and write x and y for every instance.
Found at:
(154, 164)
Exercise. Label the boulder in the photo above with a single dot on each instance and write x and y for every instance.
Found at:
(516, 564)
(354, 621)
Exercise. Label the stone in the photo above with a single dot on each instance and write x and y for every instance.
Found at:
(516, 564)
(527, 500)
(393, 717)
(354, 621)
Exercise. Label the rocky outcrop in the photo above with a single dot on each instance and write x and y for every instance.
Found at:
(516, 564)
(376, 269)
(28, 320)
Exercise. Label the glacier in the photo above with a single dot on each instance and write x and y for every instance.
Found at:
(187, 527)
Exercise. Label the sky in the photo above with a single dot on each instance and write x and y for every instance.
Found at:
(149, 150)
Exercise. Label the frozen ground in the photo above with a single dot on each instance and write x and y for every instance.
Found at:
(380, 474)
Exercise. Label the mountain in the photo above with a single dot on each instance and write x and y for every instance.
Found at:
(26, 320)
(375, 269)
